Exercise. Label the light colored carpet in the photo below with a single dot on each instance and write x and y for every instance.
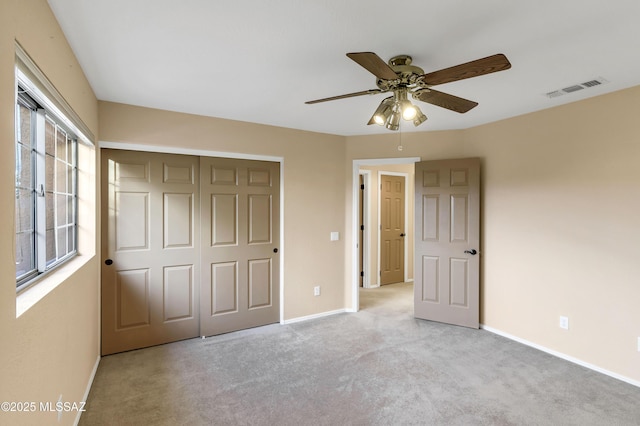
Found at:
(379, 366)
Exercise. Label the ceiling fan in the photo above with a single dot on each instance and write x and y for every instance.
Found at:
(402, 78)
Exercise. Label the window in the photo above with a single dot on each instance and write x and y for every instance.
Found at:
(46, 189)
(55, 186)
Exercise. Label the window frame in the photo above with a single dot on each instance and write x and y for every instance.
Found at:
(31, 106)
(46, 189)
(27, 296)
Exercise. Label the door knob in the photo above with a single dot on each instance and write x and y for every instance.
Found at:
(275, 250)
(108, 262)
(402, 235)
(472, 252)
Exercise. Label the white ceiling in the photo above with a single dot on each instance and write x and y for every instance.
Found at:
(259, 61)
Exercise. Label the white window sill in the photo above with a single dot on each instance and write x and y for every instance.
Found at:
(47, 283)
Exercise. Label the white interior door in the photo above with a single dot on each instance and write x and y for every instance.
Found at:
(447, 241)
(150, 249)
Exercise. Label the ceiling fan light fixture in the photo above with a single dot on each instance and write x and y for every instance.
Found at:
(409, 111)
(393, 123)
(419, 118)
(383, 112)
(403, 105)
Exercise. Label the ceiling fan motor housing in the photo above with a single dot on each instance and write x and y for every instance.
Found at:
(408, 75)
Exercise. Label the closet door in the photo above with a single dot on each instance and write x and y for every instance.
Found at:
(150, 249)
(240, 244)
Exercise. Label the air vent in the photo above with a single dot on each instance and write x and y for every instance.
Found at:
(592, 83)
(555, 94)
(576, 87)
(572, 89)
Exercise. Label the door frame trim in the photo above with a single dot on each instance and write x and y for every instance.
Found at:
(366, 237)
(220, 154)
(406, 219)
(355, 296)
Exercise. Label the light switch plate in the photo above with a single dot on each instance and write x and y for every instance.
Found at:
(335, 236)
(564, 323)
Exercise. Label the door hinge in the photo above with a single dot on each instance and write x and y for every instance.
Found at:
(362, 187)
(362, 273)
(380, 273)
(362, 227)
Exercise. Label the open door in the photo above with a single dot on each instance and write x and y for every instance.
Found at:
(447, 241)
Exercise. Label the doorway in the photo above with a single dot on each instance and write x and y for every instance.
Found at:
(364, 232)
(445, 198)
(370, 170)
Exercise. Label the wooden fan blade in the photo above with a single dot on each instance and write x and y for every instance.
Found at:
(374, 64)
(349, 95)
(444, 100)
(475, 68)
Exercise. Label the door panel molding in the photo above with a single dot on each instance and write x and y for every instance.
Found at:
(132, 298)
(148, 291)
(139, 172)
(124, 146)
(447, 239)
(223, 288)
(384, 251)
(239, 292)
(132, 233)
(178, 233)
(179, 292)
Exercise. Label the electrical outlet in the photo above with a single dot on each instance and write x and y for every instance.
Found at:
(564, 323)
(316, 290)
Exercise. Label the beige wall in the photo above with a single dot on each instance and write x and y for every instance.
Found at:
(559, 223)
(561, 232)
(374, 220)
(51, 349)
(313, 175)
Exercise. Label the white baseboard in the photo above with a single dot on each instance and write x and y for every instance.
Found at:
(86, 392)
(561, 355)
(314, 316)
